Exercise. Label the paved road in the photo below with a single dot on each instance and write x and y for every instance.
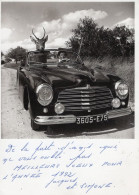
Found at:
(16, 121)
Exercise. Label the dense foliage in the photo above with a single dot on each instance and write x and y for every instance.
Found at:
(17, 54)
(98, 41)
(2, 54)
(2, 60)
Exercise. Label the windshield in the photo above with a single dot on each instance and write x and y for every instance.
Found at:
(53, 58)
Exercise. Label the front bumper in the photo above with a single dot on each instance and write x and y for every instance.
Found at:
(67, 119)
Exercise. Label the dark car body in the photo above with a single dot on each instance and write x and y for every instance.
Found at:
(82, 95)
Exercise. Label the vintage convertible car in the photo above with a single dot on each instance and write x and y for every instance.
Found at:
(58, 88)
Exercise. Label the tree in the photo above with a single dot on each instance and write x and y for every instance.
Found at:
(87, 30)
(2, 54)
(98, 42)
(124, 41)
(2, 58)
(17, 54)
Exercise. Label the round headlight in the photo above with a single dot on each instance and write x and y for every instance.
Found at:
(121, 90)
(44, 94)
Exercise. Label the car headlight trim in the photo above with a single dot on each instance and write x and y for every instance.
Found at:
(121, 89)
(44, 94)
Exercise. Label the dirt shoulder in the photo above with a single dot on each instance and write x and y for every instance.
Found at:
(15, 120)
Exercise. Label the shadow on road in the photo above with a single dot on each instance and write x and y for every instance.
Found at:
(73, 130)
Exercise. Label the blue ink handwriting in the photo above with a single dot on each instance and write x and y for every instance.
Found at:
(10, 148)
(104, 148)
(91, 186)
(112, 163)
(79, 156)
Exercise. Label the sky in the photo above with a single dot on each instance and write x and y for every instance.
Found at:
(58, 18)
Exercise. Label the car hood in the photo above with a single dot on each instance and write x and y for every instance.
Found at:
(61, 77)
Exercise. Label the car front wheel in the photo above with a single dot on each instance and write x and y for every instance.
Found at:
(34, 126)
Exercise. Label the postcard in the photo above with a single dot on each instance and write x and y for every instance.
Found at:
(69, 98)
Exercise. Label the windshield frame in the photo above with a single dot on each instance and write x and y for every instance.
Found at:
(56, 63)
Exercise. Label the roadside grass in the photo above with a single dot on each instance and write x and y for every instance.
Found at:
(124, 68)
(12, 65)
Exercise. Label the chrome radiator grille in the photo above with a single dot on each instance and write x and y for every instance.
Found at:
(85, 98)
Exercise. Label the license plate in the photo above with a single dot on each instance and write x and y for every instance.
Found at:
(91, 119)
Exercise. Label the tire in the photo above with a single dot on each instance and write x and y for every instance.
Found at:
(50, 130)
(34, 126)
